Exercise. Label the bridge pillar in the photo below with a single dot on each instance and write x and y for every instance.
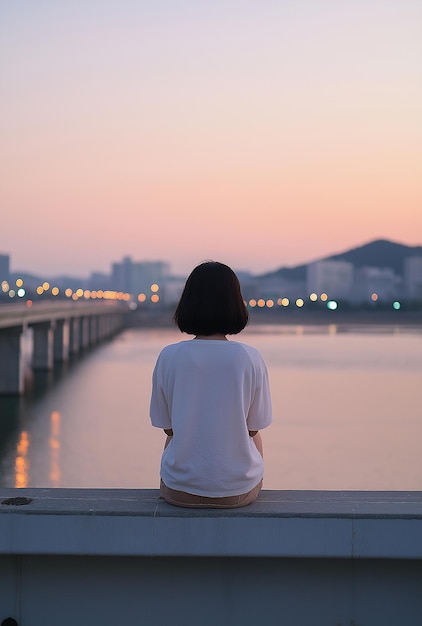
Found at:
(42, 355)
(103, 326)
(116, 323)
(61, 341)
(11, 365)
(113, 324)
(74, 344)
(84, 332)
(93, 330)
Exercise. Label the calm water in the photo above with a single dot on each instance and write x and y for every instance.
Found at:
(347, 413)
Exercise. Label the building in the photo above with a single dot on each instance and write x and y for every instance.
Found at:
(136, 277)
(275, 287)
(413, 278)
(121, 275)
(374, 284)
(148, 273)
(99, 280)
(4, 267)
(335, 278)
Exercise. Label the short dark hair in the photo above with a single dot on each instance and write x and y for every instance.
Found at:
(211, 302)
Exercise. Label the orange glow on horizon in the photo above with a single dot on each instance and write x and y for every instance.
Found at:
(224, 143)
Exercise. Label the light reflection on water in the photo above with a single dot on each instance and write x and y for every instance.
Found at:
(21, 461)
(347, 413)
(54, 446)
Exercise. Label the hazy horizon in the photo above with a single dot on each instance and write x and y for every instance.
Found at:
(263, 136)
(88, 271)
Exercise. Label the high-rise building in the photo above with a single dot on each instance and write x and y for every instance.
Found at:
(4, 267)
(121, 275)
(148, 273)
(137, 277)
(376, 284)
(335, 278)
(413, 278)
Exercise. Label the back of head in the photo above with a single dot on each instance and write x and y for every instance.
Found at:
(211, 302)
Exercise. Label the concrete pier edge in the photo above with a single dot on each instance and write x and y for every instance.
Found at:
(124, 556)
(340, 524)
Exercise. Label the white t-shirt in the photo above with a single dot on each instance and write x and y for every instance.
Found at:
(211, 393)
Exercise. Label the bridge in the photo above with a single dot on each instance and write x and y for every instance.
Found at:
(60, 329)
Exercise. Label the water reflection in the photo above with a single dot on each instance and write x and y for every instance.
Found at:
(11, 411)
(22, 425)
(54, 445)
(346, 413)
(21, 461)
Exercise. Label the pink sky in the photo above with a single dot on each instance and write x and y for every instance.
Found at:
(258, 134)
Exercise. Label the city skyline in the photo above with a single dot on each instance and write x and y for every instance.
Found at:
(371, 255)
(185, 131)
(381, 272)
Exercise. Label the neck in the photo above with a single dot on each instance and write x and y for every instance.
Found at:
(215, 336)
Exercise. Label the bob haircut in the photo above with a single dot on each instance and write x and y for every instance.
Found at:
(211, 302)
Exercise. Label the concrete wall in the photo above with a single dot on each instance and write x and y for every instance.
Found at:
(75, 557)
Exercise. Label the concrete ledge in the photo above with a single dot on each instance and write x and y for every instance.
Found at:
(295, 524)
(294, 557)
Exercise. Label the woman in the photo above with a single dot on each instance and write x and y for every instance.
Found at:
(211, 397)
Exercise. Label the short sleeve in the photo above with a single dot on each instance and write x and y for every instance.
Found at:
(260, 411)
(159, 411)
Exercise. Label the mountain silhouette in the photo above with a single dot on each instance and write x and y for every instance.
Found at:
(378, 253)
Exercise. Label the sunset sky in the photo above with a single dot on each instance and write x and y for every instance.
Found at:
(258, 133)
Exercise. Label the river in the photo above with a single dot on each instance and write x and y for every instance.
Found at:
(347, 412)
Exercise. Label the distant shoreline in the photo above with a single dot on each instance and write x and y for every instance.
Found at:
(379, 318)
(163, 319)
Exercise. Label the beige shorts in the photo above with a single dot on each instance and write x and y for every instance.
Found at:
(181, 498)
